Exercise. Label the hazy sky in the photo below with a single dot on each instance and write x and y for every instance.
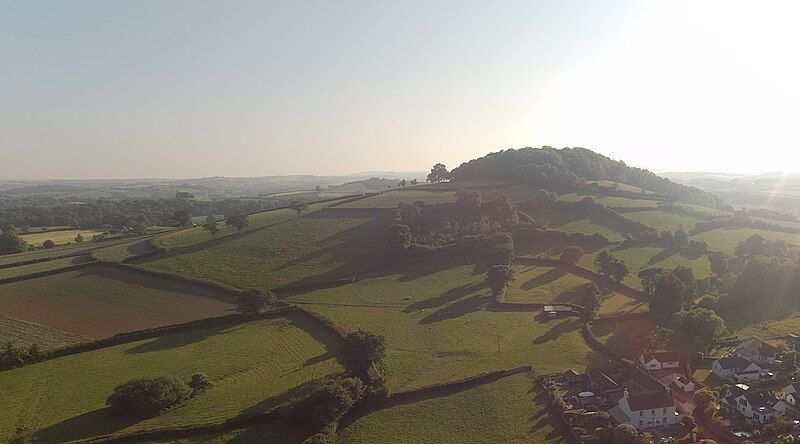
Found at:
(186, 89)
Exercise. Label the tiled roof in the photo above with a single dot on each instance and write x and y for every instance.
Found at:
(662, 356)
(734, 362)
(761, 398)
(650, 400)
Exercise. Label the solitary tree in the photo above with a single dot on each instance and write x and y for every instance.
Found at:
(610, 266)
(402, 183)
(299, 207)
(439, 173)
(255, 301)
(148, 397)
(48, 244)
(183, 218)
(10, 242)
(705, 402)
(211, 225)
(237, 221)
(681, 237)
(499, 277)
(590, 297)
(79, 239)
(572, 254)
(397, 236)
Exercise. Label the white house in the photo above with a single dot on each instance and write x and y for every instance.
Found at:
(646, 410)
(736, 368)
(790, 398)
(660, 360)
(757, 351)
(761, 406)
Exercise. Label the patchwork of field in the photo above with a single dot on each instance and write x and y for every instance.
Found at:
(101, 300)
(612, 201)
(391, 199)
(196, 235)
(663, 220)
(322, 245)
(641, 258)
(507, 410)
(27, 333)
(724, 239)
(59, 251)
(437, 328)
(60, 237)
(254, 367)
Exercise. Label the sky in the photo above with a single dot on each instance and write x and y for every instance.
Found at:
(125, 89)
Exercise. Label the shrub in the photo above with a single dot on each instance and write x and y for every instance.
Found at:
(255, 301)
(48, 244)
(148, 397)
(200, 382)
(335, 398)
(572, 254)
(13, 355)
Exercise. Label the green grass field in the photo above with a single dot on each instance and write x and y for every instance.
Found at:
(507, 410)
(59, 251)
(322, 245)
(391, 199)
(723, 239)
(196, 235)
(640, 258)
(611, 201)
(588, 226)
(26, 333)
(100, 300)
(662, 220)
(542, 285)
(443, 331)
(39, 267)
(60, 237)
(254, 366)
(124, 251)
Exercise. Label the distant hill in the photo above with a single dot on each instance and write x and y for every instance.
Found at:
(568, 168)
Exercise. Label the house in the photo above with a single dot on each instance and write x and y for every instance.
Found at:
(757, 351)
(685, 384)
(761, 406)
(646, 410)
(728, 401)
(660, 360)
(570, 377)
(736, 369)
(790, 396)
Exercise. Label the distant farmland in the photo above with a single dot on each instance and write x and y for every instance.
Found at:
(100, 301)
(59, 237)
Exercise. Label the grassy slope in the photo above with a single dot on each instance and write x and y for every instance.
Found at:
(507, 410)
(122, 252)
(55, 264)
(252, 365)
(662, 220)
(640, 258)
(541, 284)
(442, 333)
(611, 201)
(722, 239)
(59, 237)
(196, 235)
(100, 301)
(26, 333)
(322, 245)
(58, 251)
(393, 198)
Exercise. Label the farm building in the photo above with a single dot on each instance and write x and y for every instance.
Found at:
(736, 369)
(660, 360)
(555, 311)
(757, 351)
(646, 410)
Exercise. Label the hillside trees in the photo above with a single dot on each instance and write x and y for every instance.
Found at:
(148, 397)
(48, 243)
(700, 323)
(211, 225)
(590, 297)
(255, 301)
(79, 239)
(611, 267)
(668, 291)
(10, 241)
(363, 349)
(298, 207)
(183, 218)
(439, 174)
(13, 355)
(572, 254)
(499, 277)
(238, 221)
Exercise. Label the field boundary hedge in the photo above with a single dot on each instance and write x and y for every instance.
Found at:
(37, 274)
(174, 277)
(430, 391)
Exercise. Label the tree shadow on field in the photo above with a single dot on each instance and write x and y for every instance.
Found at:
(448, 296)
(178, 340)
(663, 255)
(543, 279)
(86, 425)
(458, 309)
(565, 326)
(542, 419)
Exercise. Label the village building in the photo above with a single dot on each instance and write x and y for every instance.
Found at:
(759, 405)
(736, 369)
(790, 395)
(757, 351)
(646, 410)
(660, 360)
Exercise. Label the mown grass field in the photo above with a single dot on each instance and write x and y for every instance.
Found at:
(196, 235)
(723, 239)
(27, 333)
(100, 301)
(662, 220)
(541, 285)
(391, 199)
(60, 237)
(321, 245)
(124, 251)
(59, 251)
(443, 331)
(773, 329)
(641, 258)
(507, 410)
(254, 367)
(39, 267)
